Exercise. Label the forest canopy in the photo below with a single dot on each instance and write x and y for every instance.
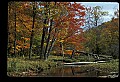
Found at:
(45, 28)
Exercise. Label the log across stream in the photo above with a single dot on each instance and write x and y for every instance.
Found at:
(82, 63)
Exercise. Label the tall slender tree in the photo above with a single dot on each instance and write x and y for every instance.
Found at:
(33, 26)
(15, 35)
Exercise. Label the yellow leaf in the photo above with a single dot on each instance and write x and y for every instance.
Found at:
(61, 41)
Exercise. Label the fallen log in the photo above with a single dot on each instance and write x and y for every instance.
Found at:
(79, 63)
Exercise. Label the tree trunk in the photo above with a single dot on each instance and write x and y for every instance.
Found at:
(32, 32)
(15, 33)
(43, 35)
(42, 42)
(62, 49)
(48, 41)
(73, 52)
(51, 46)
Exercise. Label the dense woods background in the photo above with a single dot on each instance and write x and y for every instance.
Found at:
(44, 28)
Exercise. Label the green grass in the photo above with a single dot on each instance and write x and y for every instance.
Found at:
(18, 65)
(111, 66)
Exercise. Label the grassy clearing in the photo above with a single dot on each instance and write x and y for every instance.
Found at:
(19, 65)
(111, 66)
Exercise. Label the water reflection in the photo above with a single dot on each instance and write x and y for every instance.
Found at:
(71, 71)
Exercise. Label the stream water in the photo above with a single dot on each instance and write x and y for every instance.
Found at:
(71, 71)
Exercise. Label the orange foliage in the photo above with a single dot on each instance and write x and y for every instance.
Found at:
(68, 52)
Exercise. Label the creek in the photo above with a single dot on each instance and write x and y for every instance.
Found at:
(72, 71)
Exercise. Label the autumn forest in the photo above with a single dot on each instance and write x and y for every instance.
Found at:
(45, 35)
